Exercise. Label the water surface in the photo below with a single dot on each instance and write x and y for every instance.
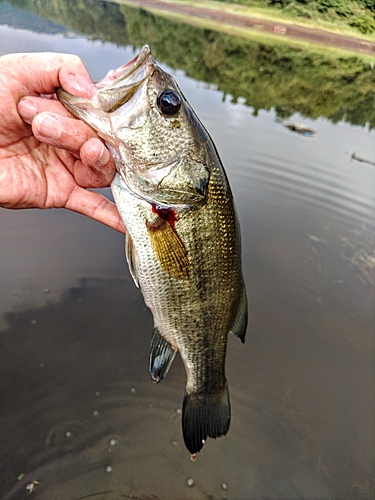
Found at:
(79, 414)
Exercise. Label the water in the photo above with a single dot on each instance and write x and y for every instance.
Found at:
(79, 416)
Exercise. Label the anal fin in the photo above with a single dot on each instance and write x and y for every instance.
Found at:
(161, 356)
(240, 323)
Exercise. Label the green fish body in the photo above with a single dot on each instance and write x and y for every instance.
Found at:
(183, 240)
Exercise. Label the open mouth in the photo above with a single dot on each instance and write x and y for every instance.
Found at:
(116, 88)
(127, 80)
(115, 77)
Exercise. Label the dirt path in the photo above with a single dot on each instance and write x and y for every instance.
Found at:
(262, 25)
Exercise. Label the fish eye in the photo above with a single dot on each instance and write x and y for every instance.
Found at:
(169, 102)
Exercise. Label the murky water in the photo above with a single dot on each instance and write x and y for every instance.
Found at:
(79, 416)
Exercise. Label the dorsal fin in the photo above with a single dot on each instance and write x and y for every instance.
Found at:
(161, 356)
(131, 258)
(240, 323)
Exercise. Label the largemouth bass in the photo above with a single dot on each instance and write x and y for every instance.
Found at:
(182, 241)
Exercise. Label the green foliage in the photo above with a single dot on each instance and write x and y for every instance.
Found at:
(364, 23)
(359, 14)
(267, 75)
(370, 4)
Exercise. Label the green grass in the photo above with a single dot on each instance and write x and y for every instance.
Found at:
(357, 22)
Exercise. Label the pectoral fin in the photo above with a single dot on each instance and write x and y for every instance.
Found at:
(169, 249)
(131, 258)
(161, 356)
(240, 323)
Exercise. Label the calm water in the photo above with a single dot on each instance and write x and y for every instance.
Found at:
(78, 411)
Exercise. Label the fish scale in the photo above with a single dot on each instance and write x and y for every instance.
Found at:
(183, 241)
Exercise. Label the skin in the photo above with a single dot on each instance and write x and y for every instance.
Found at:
(47, 157)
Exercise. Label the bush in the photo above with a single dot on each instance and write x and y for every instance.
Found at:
(364, 23)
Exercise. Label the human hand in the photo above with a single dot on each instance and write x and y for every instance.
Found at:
(47, 157)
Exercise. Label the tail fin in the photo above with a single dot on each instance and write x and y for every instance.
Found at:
(204, 415)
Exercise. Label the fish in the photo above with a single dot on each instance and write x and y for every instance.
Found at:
(182, 240)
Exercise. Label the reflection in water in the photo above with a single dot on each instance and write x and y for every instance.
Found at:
(286, 77)
(79, 416)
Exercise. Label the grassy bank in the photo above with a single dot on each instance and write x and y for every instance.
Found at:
(258, 31)
(357, 14)
(345, 17)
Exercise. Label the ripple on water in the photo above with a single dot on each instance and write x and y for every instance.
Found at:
(66, 433)
(129, 433)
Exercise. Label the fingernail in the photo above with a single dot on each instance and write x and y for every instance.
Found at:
(103, 157)
(48, 126)
(27, 110)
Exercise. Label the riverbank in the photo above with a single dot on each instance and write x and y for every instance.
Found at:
(243, 20)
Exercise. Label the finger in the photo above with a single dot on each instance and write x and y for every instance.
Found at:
(42, 73)
(98, 159)
(89, 178)
(97, 207)
(61, 131)
(30, 106)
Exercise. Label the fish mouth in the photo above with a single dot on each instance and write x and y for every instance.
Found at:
(115, 89)
(115, 76)
(127, 79)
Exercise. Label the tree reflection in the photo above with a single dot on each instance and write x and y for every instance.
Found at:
(266, 75)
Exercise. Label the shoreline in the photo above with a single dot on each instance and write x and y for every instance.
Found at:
(243, 22)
